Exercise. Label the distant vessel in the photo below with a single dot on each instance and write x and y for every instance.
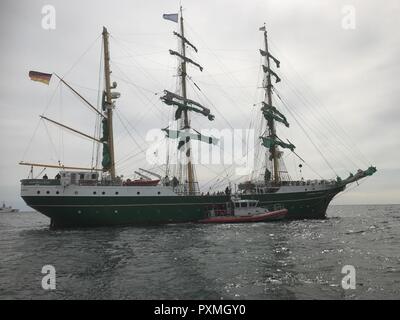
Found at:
(99, 197)
(9, 209)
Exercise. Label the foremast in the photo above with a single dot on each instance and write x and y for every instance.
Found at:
(269, 138)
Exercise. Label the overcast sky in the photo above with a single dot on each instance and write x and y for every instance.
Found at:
(330, 75)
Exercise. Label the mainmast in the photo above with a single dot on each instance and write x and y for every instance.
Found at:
(186, 119)
(108, 105)
(184, 105)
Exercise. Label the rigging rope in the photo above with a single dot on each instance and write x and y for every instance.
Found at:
(321, 133)
(97, 127)
(81, 56)
(334, 125)
(305, 132)
(39, 121)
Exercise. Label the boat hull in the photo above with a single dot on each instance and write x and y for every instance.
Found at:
(263, 217)
(113, 211)
(70, 211)
(300, 205)
(9, 211)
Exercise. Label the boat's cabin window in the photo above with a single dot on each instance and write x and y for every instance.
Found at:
(81, 176)
(252, 204)
(243, 204)
(94, 176)
(237, 204)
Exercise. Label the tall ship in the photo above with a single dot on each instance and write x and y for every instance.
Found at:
(88, 197)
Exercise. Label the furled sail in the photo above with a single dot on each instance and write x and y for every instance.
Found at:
(184, 137)
(185, 41)
(269, 142)
(106, 162)
(266, 70)
(265, 53)
(270, 112)
(171, 98)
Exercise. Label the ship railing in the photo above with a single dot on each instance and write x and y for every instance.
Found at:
(40, 182)
(88, 182)
(184, 190)
(301, 183)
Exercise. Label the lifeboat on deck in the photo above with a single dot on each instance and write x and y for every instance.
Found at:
(141, 183)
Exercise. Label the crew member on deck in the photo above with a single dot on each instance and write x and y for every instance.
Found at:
(166, 181)
(175, 182)
(58, 177)
(45, 177)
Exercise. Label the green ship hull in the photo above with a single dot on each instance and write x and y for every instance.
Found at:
(114, 211)
(300, 205)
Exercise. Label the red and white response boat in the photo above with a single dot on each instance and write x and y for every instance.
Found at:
(242, 211)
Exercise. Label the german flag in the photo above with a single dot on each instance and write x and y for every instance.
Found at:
(40, 76)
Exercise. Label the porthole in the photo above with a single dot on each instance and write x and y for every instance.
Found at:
(47, 192)
(103, 193)
(158, 192)
(138, 192)
(38, 192)
(57, 192)
(116, 192)
(94, 192)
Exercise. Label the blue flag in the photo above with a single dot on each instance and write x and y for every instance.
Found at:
(171, 16)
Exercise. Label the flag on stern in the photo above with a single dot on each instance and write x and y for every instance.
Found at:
(40, 76)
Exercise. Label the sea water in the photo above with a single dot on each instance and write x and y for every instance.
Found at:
(303, 259)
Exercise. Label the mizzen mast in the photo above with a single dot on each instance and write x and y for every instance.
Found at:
(108, 106)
